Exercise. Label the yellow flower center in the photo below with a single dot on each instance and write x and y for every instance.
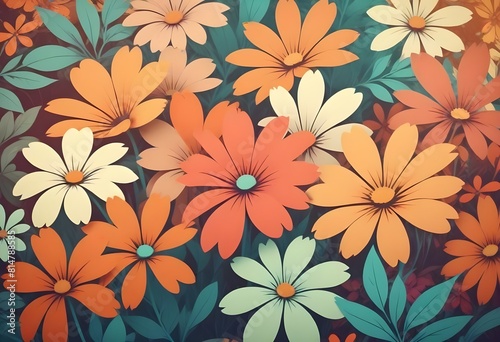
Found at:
(74, 177)
(417, 23)
(490, 250)
(174, 17)
(382, 195)
(3, 234)
(460, 114)
(62, 286)
(285, 290)
(293, 59)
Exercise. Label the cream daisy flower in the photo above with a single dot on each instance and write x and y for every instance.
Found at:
(415, 23)
(284, 291)
(312, 115)
(66, 182)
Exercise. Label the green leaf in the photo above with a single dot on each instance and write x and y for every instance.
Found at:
(113, 9)
(11, 64)
(117, 33)
(251, 10)
(394, 84)
(7, 182)
(27, 80)
(6, 126)
(89, 19)
(379, 92)
(442, 330)
(397, 299)
(95, 328)
(10, 152)
(145, 327)
(25, 120)
(365, 320)
(10, 101)
(115, 331)
(204, 304)
(488, 321)
(170, 312)
(51, 58)
(375, 279)
(428, 304)
(380, 65)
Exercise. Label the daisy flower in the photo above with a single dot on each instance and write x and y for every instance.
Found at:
(284, 290)
(66, 182)
(9, 228)
(419, 25)
(17, 34)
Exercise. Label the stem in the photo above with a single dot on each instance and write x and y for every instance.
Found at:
(136, 152)
(73, 314)
(157, 313)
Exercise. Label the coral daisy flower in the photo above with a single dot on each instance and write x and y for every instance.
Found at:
(478, 189)
(480, 256)
(143, 247)
(258, 178)
(379, 195)
(449, 111)
(60, 281)
(115, 101)
(16, 33)
(312, 116)
(66, 181)
(298, 48)
(489, 10)
(192, 77)
(284, 292)
(416, 22)
(171, 21)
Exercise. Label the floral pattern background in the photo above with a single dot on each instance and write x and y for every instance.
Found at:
(256, 170)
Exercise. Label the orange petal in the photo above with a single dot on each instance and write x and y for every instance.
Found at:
(85, 263)
(32, 316)
(31, 279)
(398, 152)
(459, 265)
(330, 58)
(332, 42)
(239, 139)
(77, 109)
(295, 173)
(146, 112)
(318, 21)
(115, 238)
(288, 23)
(419, 116)
(488, 283)
(336, 221)
(53, 259)
(214, 147)
(120, 262)
(124, 69)
(204, 171)
(253, 58)
(289, 196)
(427, 214)
(206, 201)
(267, 214)
(265, 39)
(55, 322)
(269, 138)
(476, 141)
(11, 47)
(414, 99)
(134, 286)
(471, 72)
(170, 272)
(58, 129)
(436, 187)
(175, 237)
(358, 235)
(488, 217)
(153, 218)
(26, 41)
(475, 273)
(277, 79)
(392, 239)
(97, 298)
(255, 78)
(215, 117)
(123, 217)
(186, 114)
(471, 228)
(462, 248)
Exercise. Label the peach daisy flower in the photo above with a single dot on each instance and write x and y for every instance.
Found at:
(15, 34)
(490, 11)
(172, 21)
(298, 48)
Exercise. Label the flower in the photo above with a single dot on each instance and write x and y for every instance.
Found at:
(449, 111)
(116, 99)
(416, 284)
(171, 21)
(479, 256)
(416, 23)
(297, 48)
(258, 178)
(192, 77)
(311, 116)
(65, 181)
(61, 280)
(27, 5)
(142, 246)
(381, 123)
(334, 338)
(477, 188)
(489, 10)
(9, 228)
(173, 145)
(457, 298)
(378, 195)
(57, 6)
(15, 34)
(284, 290)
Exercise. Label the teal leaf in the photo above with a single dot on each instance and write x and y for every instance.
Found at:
(403, 73)
(10, 101)
(204, 305)
(394, 84)
(117, 33)
(225, 41)
(27, 80)
(115, 331)
(113, 9)
(89, 19)
(170, 312)
(6, 126)
(379, 92)
(375, 279)
(145, 327)
(380, 65)
(428, 304)
(95, 328)
(488, 321)
(251, 10)
(25, 120)
(365, 320)
(10, 152)
(51, 58)
(11, 64)
(397, 299)
(442, 330)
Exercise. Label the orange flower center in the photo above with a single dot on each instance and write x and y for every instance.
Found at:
(293, 59)
(417, 23)
(382, 195)
(3, 234)
(62, 286)
(74, 177)
(460, 114)
(285, 290)
(490, 250)
(174, 17)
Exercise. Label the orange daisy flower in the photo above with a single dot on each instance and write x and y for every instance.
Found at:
(380, 126)
(116, 99)
(489, 10)
(379, 195)
(27, 5)
(479, 256)
(478, 189)
(143, 246)
(297, 48)
(16, 33)
(60, 281)
(449, 111)
(258, 178)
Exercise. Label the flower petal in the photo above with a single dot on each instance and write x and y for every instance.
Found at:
(299, 325)
(265, 323)
(321, 302)
(325, 275)
(245, 299)
(297, 256)
(427, 214)
(48, 206)
(254, 272)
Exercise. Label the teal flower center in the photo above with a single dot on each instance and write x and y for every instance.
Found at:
(145, 251)
(246, 182)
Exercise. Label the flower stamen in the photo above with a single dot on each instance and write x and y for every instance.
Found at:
(74, 177)
(62, 286)
(416, 23)
(382, 195)
(490, 250)
(285, 290)
(174, 17)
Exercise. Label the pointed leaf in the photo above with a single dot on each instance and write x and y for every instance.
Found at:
(442, 330)
(394, 84)
(51, 58)
(10, 101)
(115, 331)
(145, 327)
(89, 19)
(11, 64)
(379, 66)
(204, 305)
(95, 328)
(113, 9)
(170, 312)
(10, 152)
(375, 279)
(27, 80)
(25, 120)
(117, 33)
(6, 126)
(488, 321)
(379, 92)
(397, 299)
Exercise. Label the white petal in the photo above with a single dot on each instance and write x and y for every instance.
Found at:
(265, 323)
(387, 15)
(327, 274)
(245, 299)
(336, 109)
(405, 7)
(310, 96)
(449, 16)
(35, 182)
(76, 147)
(321, 302)
(115, 173)
(422, 8)
(103, 189)
(412, 45)
(3, 250)
(331, 140)
(446, 39)
(20, 245)
(44, 157)
(284, 105)
(14, 218)
(430, 45)
(271, 258)
(388, 38)
(317, 156)
(265, 121)
(104, 156)
(251, 270)
(48, 206)
(297, 256)
(77, 205)
(299, 325)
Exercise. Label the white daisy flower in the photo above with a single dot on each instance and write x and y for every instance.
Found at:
(65, 182)
(9, 228)
(416, 23)
(285, 291)
(311, 115)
